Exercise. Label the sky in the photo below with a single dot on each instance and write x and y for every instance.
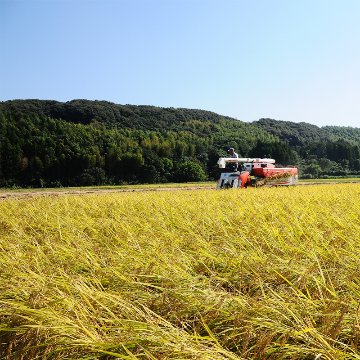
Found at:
(292, 60)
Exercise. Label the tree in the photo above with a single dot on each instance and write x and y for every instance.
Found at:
(190, 171)
(92, 176)
(312, 171)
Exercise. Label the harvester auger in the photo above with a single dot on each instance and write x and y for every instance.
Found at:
(254, 172)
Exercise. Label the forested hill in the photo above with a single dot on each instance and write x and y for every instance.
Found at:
(344, 132)
(82, 142)
(111, 115)
(296, 134)
(299, 134)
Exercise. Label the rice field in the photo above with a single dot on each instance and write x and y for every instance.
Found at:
(266, 273)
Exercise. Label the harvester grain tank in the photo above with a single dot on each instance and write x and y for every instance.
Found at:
(255, 172)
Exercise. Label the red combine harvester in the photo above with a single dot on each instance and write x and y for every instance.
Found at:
(254, 172)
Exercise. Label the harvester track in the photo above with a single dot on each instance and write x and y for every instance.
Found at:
(28, 194)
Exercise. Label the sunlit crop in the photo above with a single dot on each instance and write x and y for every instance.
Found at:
(266, 273)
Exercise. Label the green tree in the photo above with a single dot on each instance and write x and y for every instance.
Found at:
(190, 171)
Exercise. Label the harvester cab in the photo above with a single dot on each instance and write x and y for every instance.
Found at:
(255, 172)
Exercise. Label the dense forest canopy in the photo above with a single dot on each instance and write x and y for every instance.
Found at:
(82, 142)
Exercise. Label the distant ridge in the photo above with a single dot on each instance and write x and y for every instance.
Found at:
(111, 114)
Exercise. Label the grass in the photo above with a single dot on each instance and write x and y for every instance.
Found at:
(331, 180)
(267, 273)
(189, 185)
(114, 187)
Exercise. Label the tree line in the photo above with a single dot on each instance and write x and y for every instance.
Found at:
(49, 143)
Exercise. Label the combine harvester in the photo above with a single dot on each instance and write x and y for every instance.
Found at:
(255, 172)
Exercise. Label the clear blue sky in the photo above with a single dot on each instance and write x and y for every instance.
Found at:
(294, 60)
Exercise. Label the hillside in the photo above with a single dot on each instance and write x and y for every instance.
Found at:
(344, 132)
(299, 134)
(296, 134)
(82, 142)
(111, 115)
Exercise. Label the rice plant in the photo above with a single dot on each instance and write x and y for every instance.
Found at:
(266, 273)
